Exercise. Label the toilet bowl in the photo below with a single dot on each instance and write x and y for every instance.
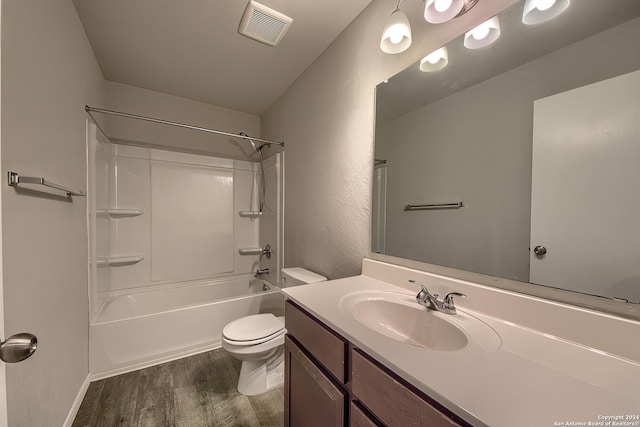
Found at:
(258, 342)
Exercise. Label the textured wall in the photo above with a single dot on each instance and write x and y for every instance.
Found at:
(327, 120)
(48, 74)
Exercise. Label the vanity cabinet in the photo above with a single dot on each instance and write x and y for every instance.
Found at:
(389, 399)
(330, 382)
(311, 398)
(314, 385)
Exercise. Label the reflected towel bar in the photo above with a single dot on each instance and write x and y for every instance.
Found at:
(15, 180)
(250, 251)
(454, 205)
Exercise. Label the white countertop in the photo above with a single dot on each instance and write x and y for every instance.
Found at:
(532, 379)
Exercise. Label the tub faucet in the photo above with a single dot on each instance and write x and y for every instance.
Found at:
(431, 301)
(261, 271)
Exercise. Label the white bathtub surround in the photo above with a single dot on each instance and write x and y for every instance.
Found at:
(272, 218)
(190, 229)
(166, 273)
(555, 362)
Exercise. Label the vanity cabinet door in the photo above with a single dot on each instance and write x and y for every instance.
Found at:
(357, 417)
(326, 346)
(310, 397)
(389, 400)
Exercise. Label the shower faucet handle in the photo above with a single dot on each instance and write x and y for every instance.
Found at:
(266, 252)
(262, 271)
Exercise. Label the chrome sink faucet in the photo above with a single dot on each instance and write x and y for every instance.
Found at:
(431, 301)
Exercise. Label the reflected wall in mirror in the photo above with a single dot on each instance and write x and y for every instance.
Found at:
(538, 135)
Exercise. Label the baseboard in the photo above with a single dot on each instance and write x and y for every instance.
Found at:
(154, 362)
(71, 416)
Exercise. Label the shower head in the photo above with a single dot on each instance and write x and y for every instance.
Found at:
(258, 150)
(253, 144)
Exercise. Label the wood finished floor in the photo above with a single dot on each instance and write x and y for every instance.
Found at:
(192, 392)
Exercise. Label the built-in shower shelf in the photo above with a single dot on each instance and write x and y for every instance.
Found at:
(114, 261)
(119, 213)
(250, 251)
(250, 214)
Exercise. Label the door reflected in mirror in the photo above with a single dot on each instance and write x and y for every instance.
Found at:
(538, 136)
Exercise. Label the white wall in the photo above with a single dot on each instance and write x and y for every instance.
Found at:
(487, 162)
(327, 118)
(135, 100)
(3, 374)
(48, 74)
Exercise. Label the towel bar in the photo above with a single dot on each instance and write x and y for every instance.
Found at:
(15, 180)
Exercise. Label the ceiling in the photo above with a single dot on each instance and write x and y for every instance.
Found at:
(192, 48)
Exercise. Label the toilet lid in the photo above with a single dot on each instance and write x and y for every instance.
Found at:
(251, 328)
(252, 343)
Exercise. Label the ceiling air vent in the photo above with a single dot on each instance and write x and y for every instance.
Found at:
(264, 24)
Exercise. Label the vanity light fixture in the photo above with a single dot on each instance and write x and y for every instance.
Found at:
(537, 11)
(435, 61)
(483, 35)
(439, 11)
(396, 35)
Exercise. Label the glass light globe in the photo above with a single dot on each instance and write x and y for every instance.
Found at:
(481, 31)
(434, 57)
(435, 60)
(545, 4)
(442, 5)
(395, 35)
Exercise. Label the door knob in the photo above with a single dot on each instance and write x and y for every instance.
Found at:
(540, 251)
(18, 347)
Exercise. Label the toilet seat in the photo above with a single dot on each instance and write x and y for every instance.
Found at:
(256, 341)
(252, 330)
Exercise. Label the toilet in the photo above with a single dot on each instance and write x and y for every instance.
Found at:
(299, 276)
(258, 341)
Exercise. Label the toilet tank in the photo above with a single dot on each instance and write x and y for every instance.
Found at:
(294, 276)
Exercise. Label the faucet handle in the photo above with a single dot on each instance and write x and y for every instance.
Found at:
(266, 252)
(447, 302)
(261, 271)
(422, 295)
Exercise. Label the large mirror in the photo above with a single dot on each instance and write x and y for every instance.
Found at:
(520, 159)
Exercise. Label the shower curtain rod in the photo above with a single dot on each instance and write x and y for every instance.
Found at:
(89, 110)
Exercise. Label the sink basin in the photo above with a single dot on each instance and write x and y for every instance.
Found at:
(398, 316)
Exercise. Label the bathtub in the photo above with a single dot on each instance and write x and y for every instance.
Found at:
(141, 329)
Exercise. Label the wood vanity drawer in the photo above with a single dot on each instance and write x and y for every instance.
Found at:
(326, 347)
(392, 402)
